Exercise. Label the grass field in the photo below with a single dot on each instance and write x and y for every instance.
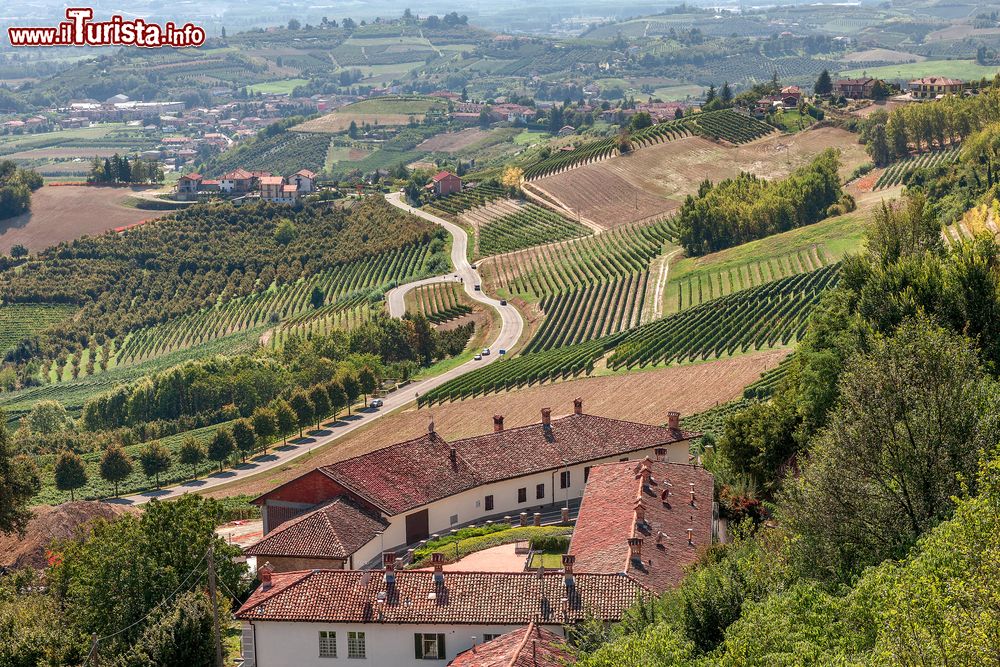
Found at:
(284, 87)
(956, 69)
(529, 137)
(693, 280)
(376, 111)
(676, 93)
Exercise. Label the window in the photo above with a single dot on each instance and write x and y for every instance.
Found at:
(453, 519)
(623, 459)
(327, 644)
(356, 645)
(428, 646)
(522, 495)
(539, 491)
(489, 503)
(586, 474)
(564, 479)
(487, 637)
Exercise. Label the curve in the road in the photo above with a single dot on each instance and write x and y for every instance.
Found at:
(510, 331)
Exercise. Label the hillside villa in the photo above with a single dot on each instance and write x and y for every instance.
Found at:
(641, 523)
(445, 183)
(857, 89)
(932, 87)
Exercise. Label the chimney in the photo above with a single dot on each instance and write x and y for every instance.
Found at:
(660, 537)
(430, 429)
(389, 565)
(567, 561)
(547, 417)
(453, 455)
(635, 547)
(437, 560)
(645, 473)
(640, 511)
(577, 406)
(674, 419)
(498, 423)
(691, 489)
(690, 537)
(264, 574)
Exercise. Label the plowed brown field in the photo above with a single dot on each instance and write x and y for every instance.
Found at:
(643, 397)
(653, 181)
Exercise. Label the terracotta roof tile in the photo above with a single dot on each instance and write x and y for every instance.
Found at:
(333, 530)
(608, 519)
(494, 598)
(530, 646)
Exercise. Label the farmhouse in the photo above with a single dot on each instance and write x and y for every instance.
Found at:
(238, 181)
(855, 88)
(188, 186)
(272, 188)
(931, 87)
(445, 183)
(399, 495)
(392, 617)
(304, 181)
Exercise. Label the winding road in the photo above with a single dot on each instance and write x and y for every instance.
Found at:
(510, 331)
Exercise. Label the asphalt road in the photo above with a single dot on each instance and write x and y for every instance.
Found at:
(510, 331)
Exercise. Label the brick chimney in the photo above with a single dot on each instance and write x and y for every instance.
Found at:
(691, 537)
(577, 406)
(674, 419)
(389, 565)
(567, 561)
(547, 417)
(691, 489)
(437, 560)
(635, 547)
(497, 423)
(264, 574)
(453, 455)
(430, 428)
(640, 511)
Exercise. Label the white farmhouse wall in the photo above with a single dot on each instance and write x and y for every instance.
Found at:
(470, 505)
(295, 644)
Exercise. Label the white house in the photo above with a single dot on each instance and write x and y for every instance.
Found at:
(394, 618)
(304, 181)
(402, 494)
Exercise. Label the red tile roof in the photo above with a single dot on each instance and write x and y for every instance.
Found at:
(333, 530)
(530, 646)
(306, 173)
(608, 518)
(272, 180)
(410, 474)
(441, 175)
(238, 174)
(487, 598)
(936, 81)
(193, 176)
(289, 188)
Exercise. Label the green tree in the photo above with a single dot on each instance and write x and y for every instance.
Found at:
(18, 251)
(285, 417)
(321, 403)
(304, 409)
(116, 465)
(265, 425)
(222, 447)
(284, 233)
(70, 472)
(352, 389)
(823, 86)
(19, 482)
(244, 436)
(317, 298)
(49, 417)
(726, 94)
(878, 147)
(338, 397)
(367, 381)
(154, 459)
(191, 453)
(182, 636)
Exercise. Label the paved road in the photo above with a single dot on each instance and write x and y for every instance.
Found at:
(510, 332)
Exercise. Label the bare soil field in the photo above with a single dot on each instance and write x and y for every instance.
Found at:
(643, 397)
(68, 212)
(50, 523)
(886, 106)
(452, 142)
(654, 180)
(338, 122)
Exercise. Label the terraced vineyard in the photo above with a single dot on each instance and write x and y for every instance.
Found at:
(696, 289)
(283, 153)
(469, 198)
(772, 314)
(439, 302)
(19, 321)
(563, 267)
(591, 312)
(898, 171)
(505, 226)
(766, 316)
(723, 124)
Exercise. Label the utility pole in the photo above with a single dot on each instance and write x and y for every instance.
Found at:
(215, 604)
(93, 650)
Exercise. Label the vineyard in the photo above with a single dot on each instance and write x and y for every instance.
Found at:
(507, 225)
(19, 321)
(283, 153)
(342, 316)
(899, 171)
(439, 302)
(724, 124)
(468, 198)
(590, 312)
(766, 316)
(346, 289)
(693, 290)
(564, 267)
(713, 420)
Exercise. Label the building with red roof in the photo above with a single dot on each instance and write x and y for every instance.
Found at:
(931, 87)
(428, 485)
(188, 185)
(446, 183)
(530, 646)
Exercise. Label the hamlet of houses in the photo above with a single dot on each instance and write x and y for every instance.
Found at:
(335, 562)
(241, 183)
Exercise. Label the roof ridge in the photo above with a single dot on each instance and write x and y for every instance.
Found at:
(380, 449)
(522, 644)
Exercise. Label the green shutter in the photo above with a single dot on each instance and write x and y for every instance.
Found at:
(418, 649)
(441, 652)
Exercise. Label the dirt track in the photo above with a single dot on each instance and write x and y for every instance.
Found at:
(644, 397)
